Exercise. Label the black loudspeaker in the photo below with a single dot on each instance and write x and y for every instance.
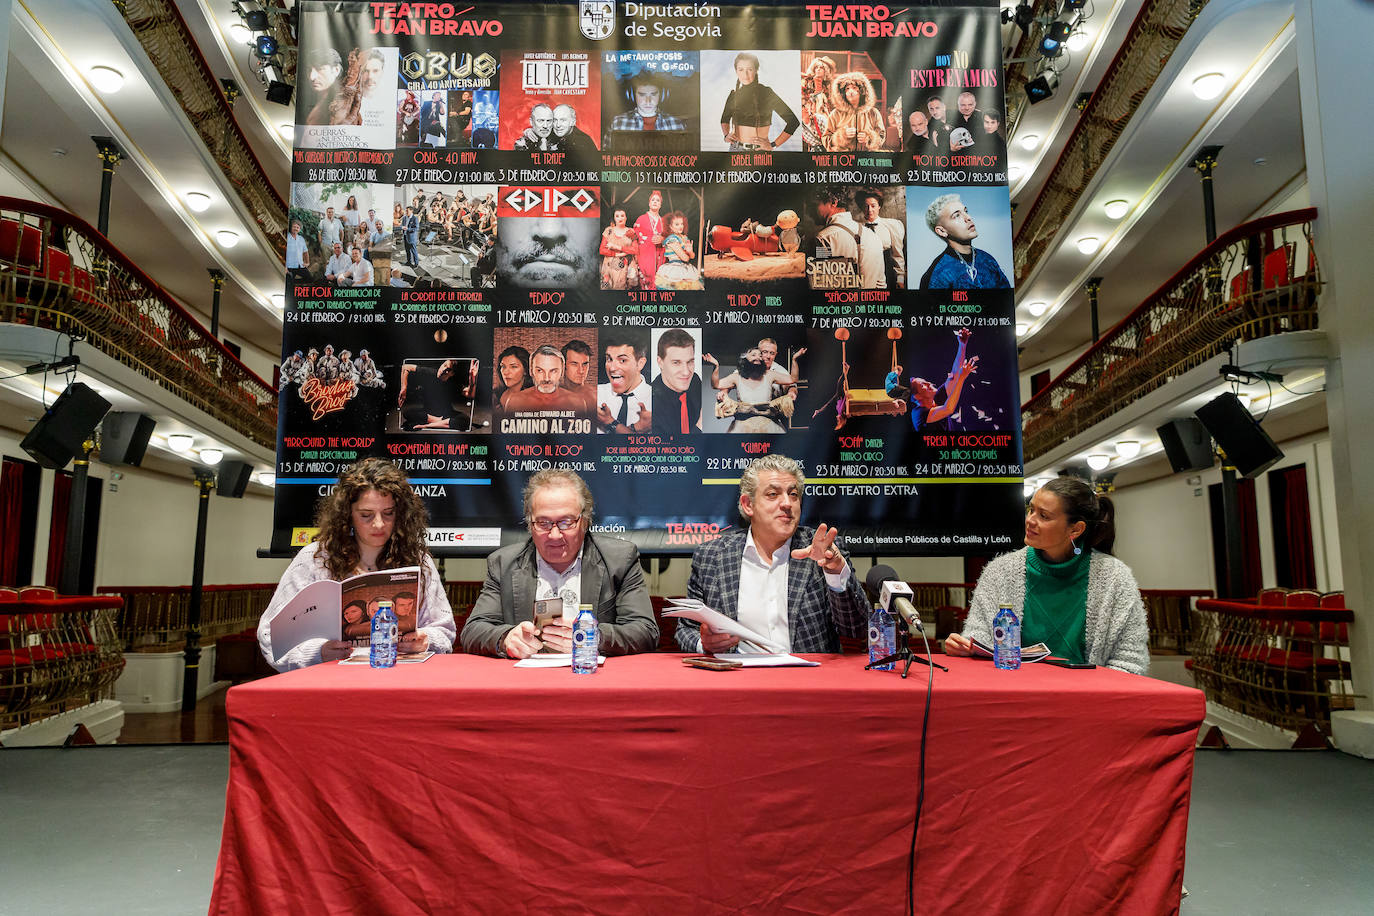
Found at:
(57, 436)
(1187, 444)
(233, 478)
(1246, 444)
(124, 437)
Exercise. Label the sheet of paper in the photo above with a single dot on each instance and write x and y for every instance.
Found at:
(312, 614)
(695, 610)
(1029, 654)
(552, 660)
(362, 656)
(776, 660)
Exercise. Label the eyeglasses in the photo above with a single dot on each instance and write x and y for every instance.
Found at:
(563, 524)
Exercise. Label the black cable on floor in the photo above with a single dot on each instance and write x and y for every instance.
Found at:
(920, 785)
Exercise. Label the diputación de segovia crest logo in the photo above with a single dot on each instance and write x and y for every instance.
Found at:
(597, 18)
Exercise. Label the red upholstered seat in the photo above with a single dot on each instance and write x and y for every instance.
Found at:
(1278, 266)
(30, 246)
(36, 592)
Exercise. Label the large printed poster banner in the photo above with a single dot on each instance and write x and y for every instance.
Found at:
(652, 242)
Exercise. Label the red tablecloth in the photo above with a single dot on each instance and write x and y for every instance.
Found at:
(466, 785)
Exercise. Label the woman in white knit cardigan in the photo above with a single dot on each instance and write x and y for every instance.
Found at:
(1068, 590)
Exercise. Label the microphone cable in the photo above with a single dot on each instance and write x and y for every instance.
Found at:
(920, 783)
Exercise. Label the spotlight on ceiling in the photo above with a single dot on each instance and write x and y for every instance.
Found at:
(1098, 461)
(106, 79)
(1042, 87)
(1128, 448)
(1116, 208)
(256, 20)
(1088, 244)
(1038, 308)
(265, 47)
(180, 442)
(279, 92)
(197, 201)
(1052, 42)
(1209, 85)
(1074, 4)
(1023, 15)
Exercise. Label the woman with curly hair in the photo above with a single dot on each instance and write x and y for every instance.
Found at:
(372, 520)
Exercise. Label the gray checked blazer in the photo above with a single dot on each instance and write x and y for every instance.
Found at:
(816, 615)
(611, 579)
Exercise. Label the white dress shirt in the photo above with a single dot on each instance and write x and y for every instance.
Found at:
(566, 585)
(763, 593)
(641, 394)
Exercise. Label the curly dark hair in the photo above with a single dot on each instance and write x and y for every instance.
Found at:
(334, 518)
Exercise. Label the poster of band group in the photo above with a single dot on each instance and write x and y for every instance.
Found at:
(652, 242)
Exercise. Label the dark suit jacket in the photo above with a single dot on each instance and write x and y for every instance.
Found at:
(816, 615)
(611, 579)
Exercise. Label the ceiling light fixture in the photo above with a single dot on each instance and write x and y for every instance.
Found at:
(1128, 448)
(1209, 85)
(287, 131)
(279, 300)
(1077, 41)
(1088, 244)
(1038, 308)
(1116, 208)
(267, 478)
(197, 201)
(1042, 87)
(227, 238)
(1052, 41)
(106, 79)
(1030, 141)
(240, 33)
(211, 456)
(1015, 172)
(180, 442)
(1028, 489)
(1098, 461)
(1022, 328)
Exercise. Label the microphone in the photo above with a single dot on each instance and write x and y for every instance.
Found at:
(894, 595)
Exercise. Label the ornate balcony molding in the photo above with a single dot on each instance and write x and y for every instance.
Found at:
(167, 40)
(1257, 280)
(59, 272)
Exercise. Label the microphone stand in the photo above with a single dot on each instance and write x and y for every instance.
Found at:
(904, 653)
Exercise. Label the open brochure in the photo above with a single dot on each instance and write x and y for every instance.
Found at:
(343, 610)
(1035, 653)
(693, 609)
(364, 657)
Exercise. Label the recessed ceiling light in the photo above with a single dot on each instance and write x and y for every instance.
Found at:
(106, 79)
(240, 33)
(197, 201)
(211, 456)
(1209, 85)
(1038, 308)
(180, 442)
(1078, 40)
(1030, 141)
(1088, 244)
(227, 237)
(1128, 448)
(1098, 461)
(1021, 328)
(1116, 208)
(287, 131)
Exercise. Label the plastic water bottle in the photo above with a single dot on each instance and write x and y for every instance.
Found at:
(882, 638)
(382, 653)
(586, 641)
(1006, 639)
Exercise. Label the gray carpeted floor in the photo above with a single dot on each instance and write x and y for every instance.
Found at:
(135, 830)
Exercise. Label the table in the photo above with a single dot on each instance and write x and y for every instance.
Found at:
(466, 785)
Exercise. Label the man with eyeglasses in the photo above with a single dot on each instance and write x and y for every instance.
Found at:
(560, 559)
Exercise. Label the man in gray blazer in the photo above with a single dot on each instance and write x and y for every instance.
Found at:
(786, 583)
(560, 559)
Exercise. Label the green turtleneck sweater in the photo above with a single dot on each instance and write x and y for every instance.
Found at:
(1056, 602)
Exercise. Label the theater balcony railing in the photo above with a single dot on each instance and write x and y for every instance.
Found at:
(58, 272)
(1245, 285)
